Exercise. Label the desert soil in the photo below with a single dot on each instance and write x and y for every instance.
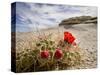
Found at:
(86, 38)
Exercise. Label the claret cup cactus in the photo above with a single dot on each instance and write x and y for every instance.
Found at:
(51, 55)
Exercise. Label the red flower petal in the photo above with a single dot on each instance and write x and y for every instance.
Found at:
(68, 37)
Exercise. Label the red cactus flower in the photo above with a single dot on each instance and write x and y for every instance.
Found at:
(45, 54)
(68, 37)
(58, 54)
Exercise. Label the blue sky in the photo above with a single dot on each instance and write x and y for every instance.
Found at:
(33, 16)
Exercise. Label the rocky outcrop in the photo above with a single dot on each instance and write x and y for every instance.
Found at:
(78, 20)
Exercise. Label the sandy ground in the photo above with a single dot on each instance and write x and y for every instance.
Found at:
(86, 37)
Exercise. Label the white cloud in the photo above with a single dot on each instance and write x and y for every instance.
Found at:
(44, 14)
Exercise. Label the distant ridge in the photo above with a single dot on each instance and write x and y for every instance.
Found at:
(78, 20)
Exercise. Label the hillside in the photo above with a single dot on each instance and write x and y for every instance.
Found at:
(78, 20)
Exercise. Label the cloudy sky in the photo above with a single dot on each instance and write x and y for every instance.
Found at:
(33, 16)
